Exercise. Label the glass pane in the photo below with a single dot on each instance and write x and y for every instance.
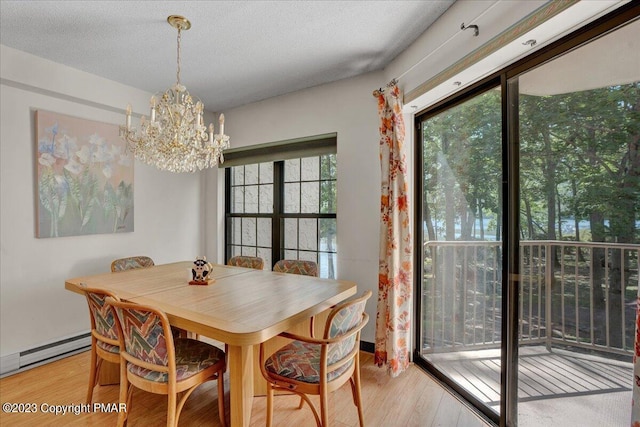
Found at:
(328, 234)
(310, 197)
(251, 174)
(460, 318)
(237, 199)
(237, 175)
(290, 233)
(289, 254)
(292, 198)
(248, 251)
(264, 232)
(327, 265)
(308, 234)
(266, 173)
(580, 222)
(236, 250)
(310, 169)
(328, 197)
(308, 256)
(265, 254)
(249, 231)
(251, 199)
(236, 231)
(266, 198)
(292, 170)
(328, 166)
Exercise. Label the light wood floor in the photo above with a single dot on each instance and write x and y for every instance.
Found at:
(412, 399)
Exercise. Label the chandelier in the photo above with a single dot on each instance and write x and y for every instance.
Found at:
(174, 137)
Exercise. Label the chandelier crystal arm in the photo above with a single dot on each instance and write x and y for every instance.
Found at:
(175, 138)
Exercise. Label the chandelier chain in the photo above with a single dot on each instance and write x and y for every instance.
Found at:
(178, 71)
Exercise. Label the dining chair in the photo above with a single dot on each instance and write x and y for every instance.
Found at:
(141, 261)
(311, 366)
(295, 266)
(151, 360)
(104, 334)
(131, 262)
(305, 268)
(246, 261)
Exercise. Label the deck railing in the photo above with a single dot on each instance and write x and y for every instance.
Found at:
(577, 294)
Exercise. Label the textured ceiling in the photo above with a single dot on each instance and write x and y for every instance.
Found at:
(236, 52)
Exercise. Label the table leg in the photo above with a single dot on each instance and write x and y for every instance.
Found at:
(240, 384)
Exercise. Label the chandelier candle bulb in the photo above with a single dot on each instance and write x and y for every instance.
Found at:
(128, 116)
(221, 125)
(211, 133)
(153, 109)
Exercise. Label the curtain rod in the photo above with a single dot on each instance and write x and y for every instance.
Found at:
(462, 28)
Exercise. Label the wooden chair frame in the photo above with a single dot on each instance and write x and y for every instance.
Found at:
(172, 387)
(98, 354)
(324, 387)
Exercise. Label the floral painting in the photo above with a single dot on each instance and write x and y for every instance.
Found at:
(84, 177)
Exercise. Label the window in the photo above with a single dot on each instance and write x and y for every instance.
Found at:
(284, 209)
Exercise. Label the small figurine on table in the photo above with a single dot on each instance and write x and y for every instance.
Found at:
(201, 271)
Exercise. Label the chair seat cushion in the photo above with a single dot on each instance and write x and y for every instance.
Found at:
(300, 361)
(192, 356)
(108, 347)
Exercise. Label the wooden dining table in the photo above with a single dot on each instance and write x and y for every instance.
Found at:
(240, 307)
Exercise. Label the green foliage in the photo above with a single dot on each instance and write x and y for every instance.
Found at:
(579, 161)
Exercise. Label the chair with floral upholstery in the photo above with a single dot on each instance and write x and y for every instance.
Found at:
(104, 334)
(129, 263)
(319, 366)
(153, 361)
(247, 262)
(141, 261)
(295, 266)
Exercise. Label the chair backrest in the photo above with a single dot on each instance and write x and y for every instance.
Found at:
(346, 320)
(145, 340)
(131, 263)
(246, 261)
(103, 322)
(294, 266)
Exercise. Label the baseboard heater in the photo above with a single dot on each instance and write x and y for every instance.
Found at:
(18, 362)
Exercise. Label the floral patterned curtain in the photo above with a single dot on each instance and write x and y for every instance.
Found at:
(635, 401)
(393, 320)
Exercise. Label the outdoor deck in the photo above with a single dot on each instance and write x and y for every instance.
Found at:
(557, 388)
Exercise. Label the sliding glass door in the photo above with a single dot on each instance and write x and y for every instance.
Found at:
(580, 226)
(461, 254)
(528, 225)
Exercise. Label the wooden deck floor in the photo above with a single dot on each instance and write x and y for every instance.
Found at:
(558, 388)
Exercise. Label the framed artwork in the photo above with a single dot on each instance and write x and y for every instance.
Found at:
(84, 177)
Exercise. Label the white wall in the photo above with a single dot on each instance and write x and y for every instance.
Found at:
(35, 309)
(348, 108)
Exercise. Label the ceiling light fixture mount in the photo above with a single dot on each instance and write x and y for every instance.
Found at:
(175, 138)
